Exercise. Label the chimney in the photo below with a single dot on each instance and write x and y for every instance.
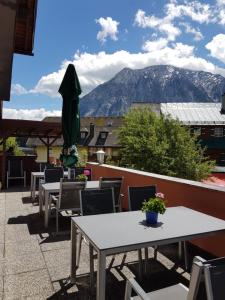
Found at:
(92, 127)
(91, 134)
(223, 104)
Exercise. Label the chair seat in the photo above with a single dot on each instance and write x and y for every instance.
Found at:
(174, 292)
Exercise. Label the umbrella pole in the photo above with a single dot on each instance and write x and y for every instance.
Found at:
(69, 173)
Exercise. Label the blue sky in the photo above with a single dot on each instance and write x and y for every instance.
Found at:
(102, 37)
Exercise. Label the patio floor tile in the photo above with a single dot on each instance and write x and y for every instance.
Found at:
(57, 258)
(2, 234)
(17, 232)
(28, 284)
(50, 244)
(1, 250)
(24, 263)
(13, 249)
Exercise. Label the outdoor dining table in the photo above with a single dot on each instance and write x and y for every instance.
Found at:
(54, 187)
(110, 234)
(33, 181)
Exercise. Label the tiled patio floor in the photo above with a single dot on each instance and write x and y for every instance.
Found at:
(35, 263)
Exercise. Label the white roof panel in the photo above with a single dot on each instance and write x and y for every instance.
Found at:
(195, 113)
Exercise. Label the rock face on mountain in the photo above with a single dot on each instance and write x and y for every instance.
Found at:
(153, 84)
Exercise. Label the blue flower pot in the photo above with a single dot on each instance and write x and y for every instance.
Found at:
(151, 217)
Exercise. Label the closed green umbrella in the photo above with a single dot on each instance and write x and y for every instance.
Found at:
(70, 91)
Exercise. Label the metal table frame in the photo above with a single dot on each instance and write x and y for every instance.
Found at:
(101, 239)
(54, 187)
(33, 181)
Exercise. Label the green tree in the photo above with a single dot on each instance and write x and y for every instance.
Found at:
(11, 142)
(159, 144)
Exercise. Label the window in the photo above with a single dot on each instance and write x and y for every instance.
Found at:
(218, 131)
(83, 134)
(197, 130)
(103, 135)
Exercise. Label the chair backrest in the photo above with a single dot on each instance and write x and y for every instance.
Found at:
(53, 175)
(83, 170)
(214, 271)
(15, 168)
(42, 166)
(138, 194)
(97, 201)
(115, 183)
(69, 195)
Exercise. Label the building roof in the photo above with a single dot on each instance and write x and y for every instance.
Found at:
(27, 128)
(195, 113)
(101, 124)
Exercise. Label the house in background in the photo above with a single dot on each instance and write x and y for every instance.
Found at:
(206, 119)
(95, 133)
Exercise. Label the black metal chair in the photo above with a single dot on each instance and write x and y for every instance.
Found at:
(50, 175)
(53, 175)
(15, 171)
(115, 183)
(97, 201)
(138, 194)
(68, 199)
(94, 202)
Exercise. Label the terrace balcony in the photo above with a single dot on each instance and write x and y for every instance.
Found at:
(35, 262)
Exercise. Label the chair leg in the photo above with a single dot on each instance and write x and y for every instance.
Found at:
(140, 264)
(79, 248)
(57, 221)
(155, 252)
(146, 261)
(91, 268)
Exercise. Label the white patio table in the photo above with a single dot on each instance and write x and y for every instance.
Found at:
(110, 234)
(33, 181)
(54, 187)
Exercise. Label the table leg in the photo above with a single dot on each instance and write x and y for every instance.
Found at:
(46, 208)
(101, 276)
(185, 256)
(34, 188)
(40, 198)
(31, 186)
(91, 254)
(73, 266)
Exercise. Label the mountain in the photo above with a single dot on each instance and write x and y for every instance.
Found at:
(156, 84)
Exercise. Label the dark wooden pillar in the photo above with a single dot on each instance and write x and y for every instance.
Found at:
(1, 108)
(3, 161)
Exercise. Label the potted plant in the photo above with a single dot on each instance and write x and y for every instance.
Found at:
(81, 177)
(152, 207)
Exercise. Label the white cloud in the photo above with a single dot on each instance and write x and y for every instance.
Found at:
(221, 16)
(195, 31)
(18, 89)
(155, 45)
(221, 2)
(163, 25)
(29, 114)
(217, 47)
(197, 11)
(95, 69)
(109, 28)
